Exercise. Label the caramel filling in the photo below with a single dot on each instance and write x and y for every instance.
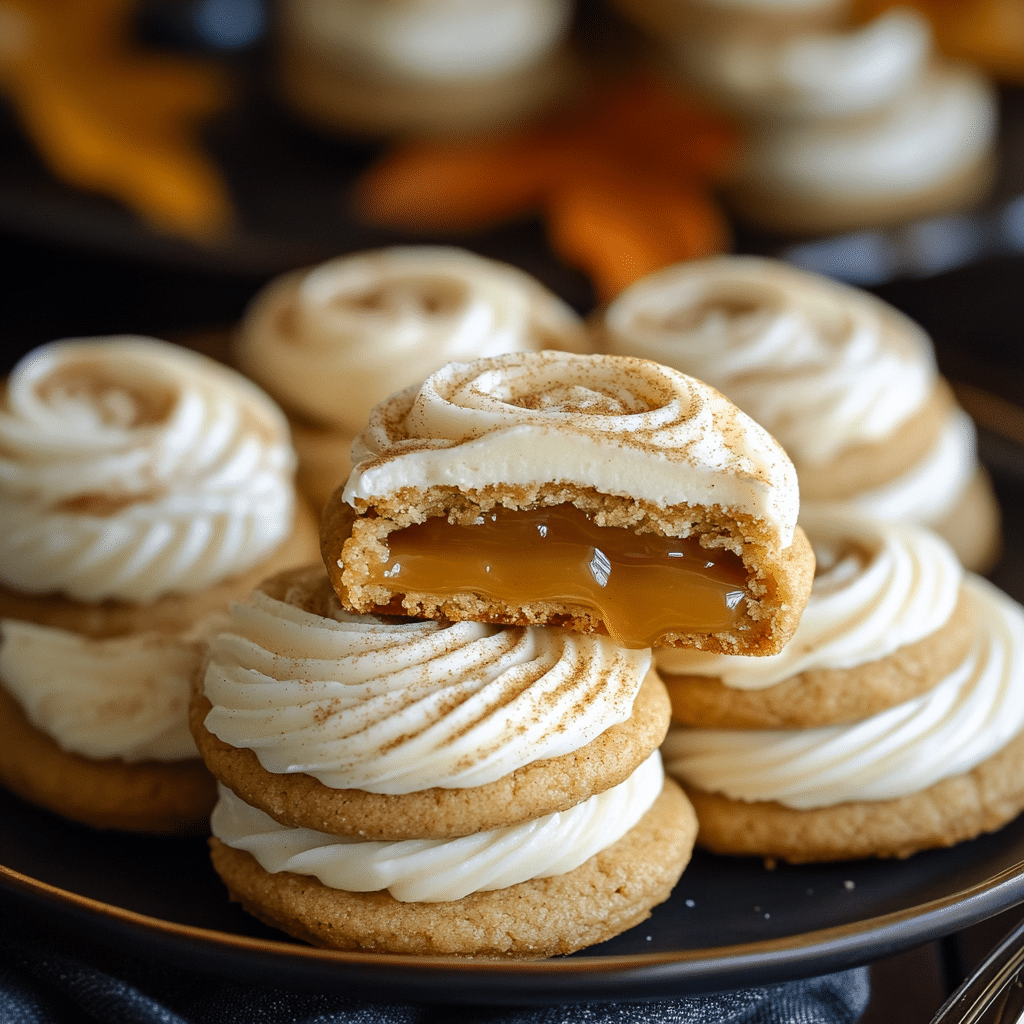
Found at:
(642, 585)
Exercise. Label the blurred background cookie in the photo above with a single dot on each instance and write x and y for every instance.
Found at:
(847, 384)
(331, 342)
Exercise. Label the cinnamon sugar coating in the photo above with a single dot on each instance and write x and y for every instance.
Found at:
(536, 789)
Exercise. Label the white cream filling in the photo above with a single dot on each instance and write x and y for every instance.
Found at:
(928, 490)
(878, 588)
(333, 341)
(823, 367)
(132, 468)
(621, 426)
(965, 719)
(124, 698)
(812, 74)
(440, 870)
(941, 127)
(431, 40)
(360, 704)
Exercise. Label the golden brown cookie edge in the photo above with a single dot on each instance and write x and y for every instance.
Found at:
(611, 892)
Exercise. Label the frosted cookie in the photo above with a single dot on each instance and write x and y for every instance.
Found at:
(421, 67)
(930, 151)
(142, 487)
(932, 771)
(397, 729)
(673, 21)
(549, 887)
(331, 342)
(846, 125)
(885, 622)
(600, 493)
(847, 384)
(409, 787)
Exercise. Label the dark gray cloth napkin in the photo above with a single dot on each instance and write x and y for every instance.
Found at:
(43, 983)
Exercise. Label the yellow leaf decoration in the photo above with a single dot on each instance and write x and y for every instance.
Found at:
(111, 118)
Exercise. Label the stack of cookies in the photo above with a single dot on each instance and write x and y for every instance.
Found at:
(447, 743)
(142, 488)
(846, 383)
(846, 124)
(418, 67)
(891, 723)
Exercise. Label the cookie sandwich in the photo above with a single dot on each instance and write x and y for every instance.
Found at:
(417, 787)
(142, 488)
(846, 125)
(891, 722)
(599, 493)
(417, 67)
(845, 382)
(330, 342)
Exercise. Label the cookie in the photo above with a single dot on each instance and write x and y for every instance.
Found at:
(144, 487)
(933, 771)
(847, 124)
(568, 485)
(335, 97)
(149, 796)
(948, 812)
(885, 622)
(580, 714)
(847, 385)
(332, 341)
(609, 892)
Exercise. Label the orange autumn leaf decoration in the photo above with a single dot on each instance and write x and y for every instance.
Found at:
(623, 183)
(110, 118)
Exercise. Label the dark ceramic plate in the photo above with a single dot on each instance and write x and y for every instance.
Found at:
(729, 922)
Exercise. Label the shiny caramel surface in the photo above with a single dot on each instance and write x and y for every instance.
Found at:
(642, 585)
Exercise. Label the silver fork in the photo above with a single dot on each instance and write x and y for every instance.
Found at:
(994, 993)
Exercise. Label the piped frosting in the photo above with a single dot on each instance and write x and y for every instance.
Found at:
(119, 697)
(822, 366)
(620, 425)
(331, 342)
(963, 720)
(878, 587)
(437, 870)
(359, 703)
(131, 468)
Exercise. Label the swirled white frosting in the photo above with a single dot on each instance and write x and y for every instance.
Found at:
(966, 718)
(123, 697)
(131, 468)
(431, 39)
(932, 486)
(622, 426)
(941, 127)
(361, 704)
(812, 74)
(822, 366)
(437, 870)
(879, 586)
(333, 341)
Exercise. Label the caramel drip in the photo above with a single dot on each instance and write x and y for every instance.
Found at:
(643, 586)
